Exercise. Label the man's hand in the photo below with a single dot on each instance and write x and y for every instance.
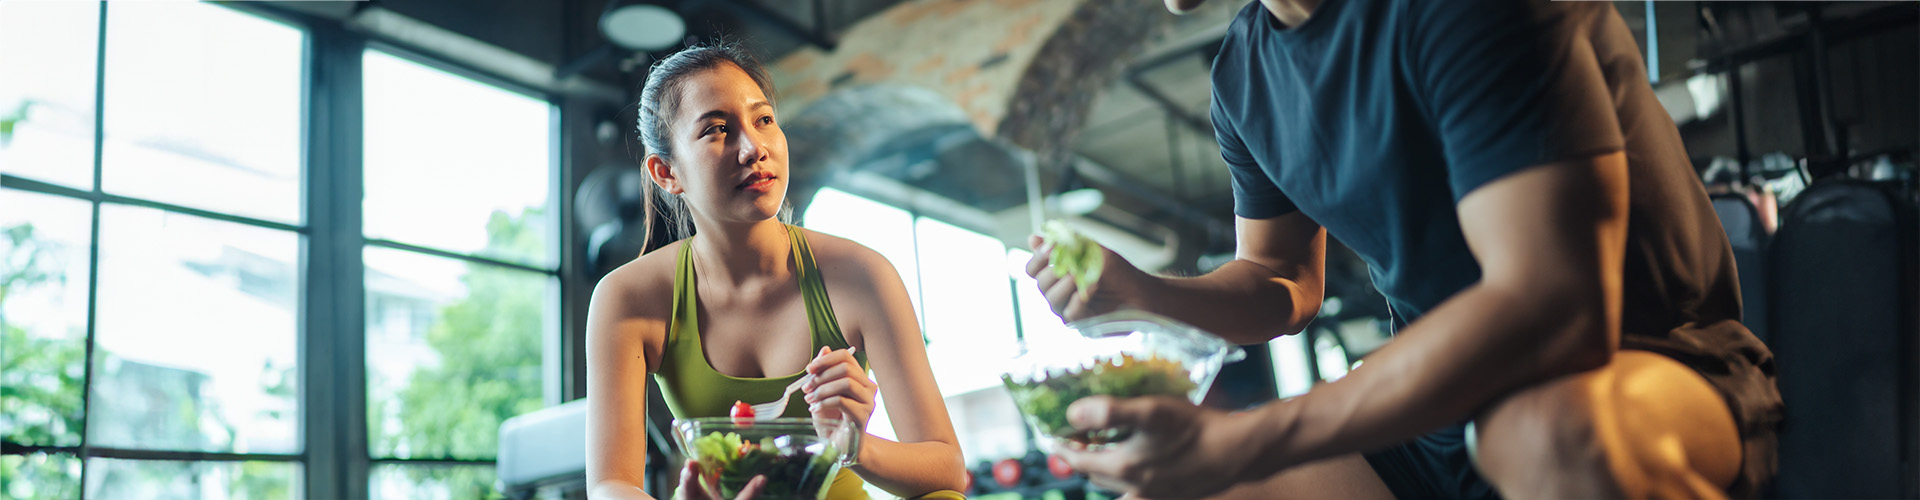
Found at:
(1116, 288)
(691, 489)
(1177, 450)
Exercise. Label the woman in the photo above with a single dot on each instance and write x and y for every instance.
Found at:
(741, 309)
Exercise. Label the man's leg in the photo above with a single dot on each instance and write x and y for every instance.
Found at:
(1643, 426)
(1344, 477)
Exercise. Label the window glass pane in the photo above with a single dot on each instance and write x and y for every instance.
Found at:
(47, 50)
(431, 482)
(203, 109)
(1290, 369)
(196, 335)
(448, 159)
(453, 349)
(169, 479)
(969, 306)
(884, 229)
(43, 316)
(39, 476)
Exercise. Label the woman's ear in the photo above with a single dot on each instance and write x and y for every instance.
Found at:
(662, 175)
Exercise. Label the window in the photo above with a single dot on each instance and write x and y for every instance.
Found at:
(431, 482)
(185, 126)
(479, 150)
(170, 212)
(968, 306)
(189, 239)
(462, 279)
(43, 323)
(47, 90)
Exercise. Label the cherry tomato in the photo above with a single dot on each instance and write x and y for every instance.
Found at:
(1059, 467)
(741, 410)
(1007, 472)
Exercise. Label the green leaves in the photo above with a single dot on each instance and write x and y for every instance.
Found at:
(1073, 253)
(791, 473)
(1045, 400)
(489, 347)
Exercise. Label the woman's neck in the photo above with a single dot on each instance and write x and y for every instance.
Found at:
(744, 253)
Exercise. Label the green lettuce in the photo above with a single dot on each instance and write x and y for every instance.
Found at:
(1073, 253)
(1045, 399)
(793, 473)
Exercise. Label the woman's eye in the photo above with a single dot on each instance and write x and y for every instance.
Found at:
(766, 120)
(715, 129)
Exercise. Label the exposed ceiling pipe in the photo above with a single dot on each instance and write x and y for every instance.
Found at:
(817, 36)
(1217, 232)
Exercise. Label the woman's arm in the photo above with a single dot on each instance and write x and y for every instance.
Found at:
(927, 457)
(619, 357)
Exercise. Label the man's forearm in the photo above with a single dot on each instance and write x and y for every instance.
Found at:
(1462, 356)
(1243, 302)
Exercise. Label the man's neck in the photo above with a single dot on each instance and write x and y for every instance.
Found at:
(1291, 13)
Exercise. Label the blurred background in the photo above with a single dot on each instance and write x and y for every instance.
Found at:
(322, 249)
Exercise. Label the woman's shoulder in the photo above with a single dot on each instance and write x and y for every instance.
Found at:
(641, 288)
(841, 258)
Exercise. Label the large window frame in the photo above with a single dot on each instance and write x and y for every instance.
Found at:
(331, 333)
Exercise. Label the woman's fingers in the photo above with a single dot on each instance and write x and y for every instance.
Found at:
(828, 357)
(752, 489)
(836, 372)
(690, 488)
(838, 406)
(845, 387)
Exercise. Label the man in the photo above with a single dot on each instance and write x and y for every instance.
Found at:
(1566, 308)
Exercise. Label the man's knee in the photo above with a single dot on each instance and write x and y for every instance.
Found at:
(1625, 431)
(1548, 442)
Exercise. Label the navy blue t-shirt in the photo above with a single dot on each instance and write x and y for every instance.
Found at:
(1374, 117)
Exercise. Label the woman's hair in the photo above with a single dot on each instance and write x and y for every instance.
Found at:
(660, 101)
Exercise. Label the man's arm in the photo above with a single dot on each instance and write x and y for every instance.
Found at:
(1550, 241)
(1271, 288)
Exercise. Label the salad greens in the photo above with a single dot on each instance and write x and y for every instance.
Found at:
(1073, 253)
(1045, 399)
(729, 462)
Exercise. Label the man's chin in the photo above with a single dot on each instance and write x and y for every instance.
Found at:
(1183, 6)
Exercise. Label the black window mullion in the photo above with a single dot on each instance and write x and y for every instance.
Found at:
(93, 245)
(386, 243)
(332, 333)
(190, 456)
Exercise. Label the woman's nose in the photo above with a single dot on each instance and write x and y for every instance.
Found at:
(750, 150)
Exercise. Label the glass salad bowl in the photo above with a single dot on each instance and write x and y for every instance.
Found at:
(799, 456)
(1122, 354)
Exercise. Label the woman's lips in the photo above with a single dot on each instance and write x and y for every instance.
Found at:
(761, 185)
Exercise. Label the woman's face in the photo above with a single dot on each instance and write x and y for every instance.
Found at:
(730, 157)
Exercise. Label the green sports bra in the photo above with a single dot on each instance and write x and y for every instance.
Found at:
(694, 389)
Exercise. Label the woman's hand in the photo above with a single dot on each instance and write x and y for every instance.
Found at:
(1114, 289)
(691, 489)
(840, 387)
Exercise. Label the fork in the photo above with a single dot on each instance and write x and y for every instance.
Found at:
(769, 411)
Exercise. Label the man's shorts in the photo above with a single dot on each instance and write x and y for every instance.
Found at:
(1737, 365)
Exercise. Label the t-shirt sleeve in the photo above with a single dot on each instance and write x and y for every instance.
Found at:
(1255, 196)
(1510, 84)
